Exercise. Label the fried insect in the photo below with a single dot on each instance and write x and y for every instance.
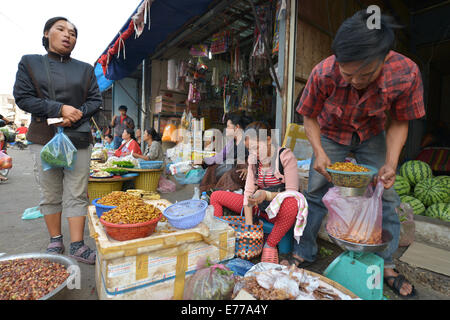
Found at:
(132, 212)
(347, 167)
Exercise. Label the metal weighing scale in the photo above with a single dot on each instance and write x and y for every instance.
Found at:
(359, 269)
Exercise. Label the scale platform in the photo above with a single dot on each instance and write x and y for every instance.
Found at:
(359, 269)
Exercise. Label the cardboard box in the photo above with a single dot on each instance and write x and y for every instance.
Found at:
(155, 267)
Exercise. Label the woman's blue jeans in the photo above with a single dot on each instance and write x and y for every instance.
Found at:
(371, 152)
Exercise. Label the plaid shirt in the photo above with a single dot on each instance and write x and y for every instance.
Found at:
(339, 110)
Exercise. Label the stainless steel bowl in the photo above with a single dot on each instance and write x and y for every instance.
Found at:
(64, 260)
(352, 192)
(386, 238)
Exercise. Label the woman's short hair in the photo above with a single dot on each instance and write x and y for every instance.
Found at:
(49, 24)
(257, 126)
(109, 136)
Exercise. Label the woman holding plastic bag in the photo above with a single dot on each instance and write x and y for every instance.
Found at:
(57, 86)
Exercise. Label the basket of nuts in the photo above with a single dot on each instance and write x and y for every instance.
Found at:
(131, 220)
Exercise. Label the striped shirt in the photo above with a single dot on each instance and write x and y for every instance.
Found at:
(266, 177)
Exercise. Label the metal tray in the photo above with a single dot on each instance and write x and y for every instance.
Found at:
(386, 238)
(64, 260)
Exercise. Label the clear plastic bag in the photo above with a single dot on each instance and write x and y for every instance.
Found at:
(355, 219)
(210, 282)
(407, 224)
(59, 152)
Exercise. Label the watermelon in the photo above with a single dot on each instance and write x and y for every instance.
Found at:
(415, 204)
(415, 171)
(401, 186)
(439, 210)
(430, 191)
(446, 181)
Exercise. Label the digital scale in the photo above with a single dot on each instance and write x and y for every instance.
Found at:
(359, 269)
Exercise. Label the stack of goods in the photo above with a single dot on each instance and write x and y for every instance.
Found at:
(427, 195)
(30, 279)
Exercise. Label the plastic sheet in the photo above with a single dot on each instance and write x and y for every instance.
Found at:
(59, 152)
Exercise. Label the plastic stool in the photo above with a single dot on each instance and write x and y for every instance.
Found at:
(285, 244)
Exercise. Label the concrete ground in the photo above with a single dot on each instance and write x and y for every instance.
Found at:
(25, 236)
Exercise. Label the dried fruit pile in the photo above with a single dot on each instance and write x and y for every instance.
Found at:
(29, 279)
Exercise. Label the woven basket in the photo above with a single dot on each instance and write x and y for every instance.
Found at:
(100, 189)
(123, 232)
(148, 181)
(249, 238)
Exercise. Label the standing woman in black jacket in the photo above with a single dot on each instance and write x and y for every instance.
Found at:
(51, 86)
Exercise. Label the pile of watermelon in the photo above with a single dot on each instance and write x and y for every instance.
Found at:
(427, 195)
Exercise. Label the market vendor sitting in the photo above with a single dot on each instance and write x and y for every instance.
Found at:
(129, 144)
(108, 142)
(220, 174)
(153, 150)
(272, 173)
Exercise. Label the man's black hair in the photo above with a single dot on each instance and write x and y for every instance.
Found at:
(122, 107)
(49, 24)
(355, 41)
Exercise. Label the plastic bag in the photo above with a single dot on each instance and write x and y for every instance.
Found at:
(32, 213)
(59, 152)
(166, 186)
(239, 266)
(210, 282)
(355, 219)
(5, 161)
(194, 176)
(168, 132)
(10, 134)
(407, 224)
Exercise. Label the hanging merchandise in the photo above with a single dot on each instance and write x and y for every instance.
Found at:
(199, 50)
(281, 4)
(181, 75)
(220, 42)
(194, 93)
(258, 63)
(171, 74)
(190, 70)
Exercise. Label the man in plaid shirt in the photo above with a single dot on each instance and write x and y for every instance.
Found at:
(345, 105)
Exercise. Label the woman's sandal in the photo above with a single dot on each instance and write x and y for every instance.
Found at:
(56, 247)
(269, 255)
(397, 285)
(78, 255)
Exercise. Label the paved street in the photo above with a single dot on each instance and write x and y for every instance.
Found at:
(26, 236)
